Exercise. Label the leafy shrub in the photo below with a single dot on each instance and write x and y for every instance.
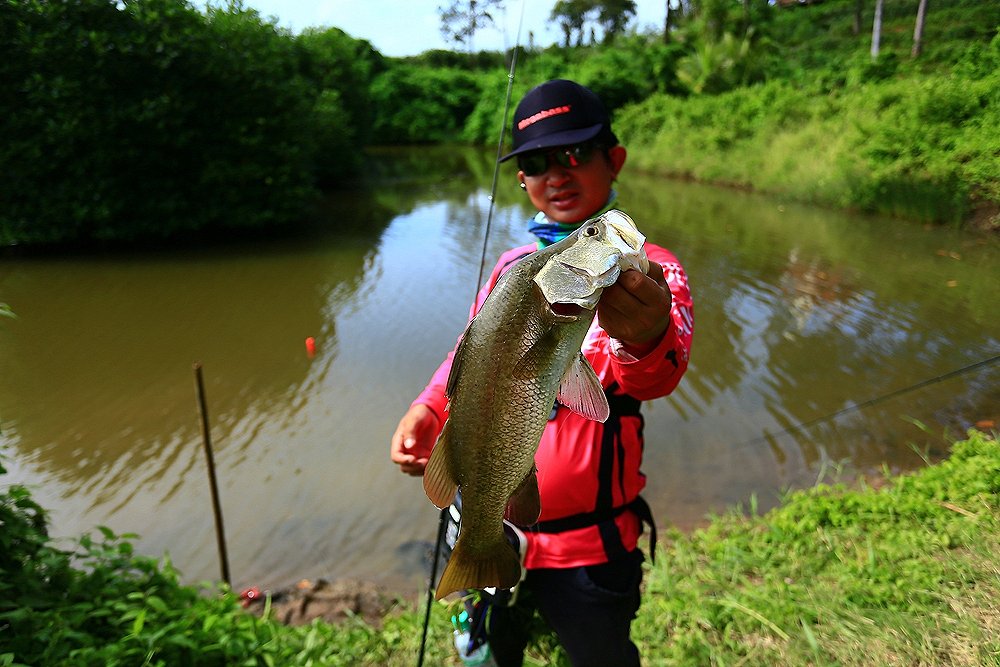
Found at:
(148, 120)
(98, 603)
(414, 105)
(341, 68)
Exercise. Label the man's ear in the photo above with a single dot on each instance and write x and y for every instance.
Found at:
(616, 156)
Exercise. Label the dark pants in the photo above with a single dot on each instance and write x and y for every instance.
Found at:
(589, 608)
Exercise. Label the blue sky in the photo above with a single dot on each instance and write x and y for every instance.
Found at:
(408, 27)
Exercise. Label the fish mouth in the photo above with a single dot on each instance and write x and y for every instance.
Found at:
(566, 309)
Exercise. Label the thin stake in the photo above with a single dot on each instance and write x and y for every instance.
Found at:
(220, 533)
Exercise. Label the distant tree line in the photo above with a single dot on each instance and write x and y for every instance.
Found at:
(148, 119)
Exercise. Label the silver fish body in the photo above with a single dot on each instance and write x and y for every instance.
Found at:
(519, 354)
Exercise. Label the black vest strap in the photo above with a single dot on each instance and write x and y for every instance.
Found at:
(586, 519)
(604, 513)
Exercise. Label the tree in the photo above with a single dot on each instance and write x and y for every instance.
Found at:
(877, 29)
(859, 7)
(462, 19)
(918, 29)
(613, 16)
(571, 15)
(666, 22)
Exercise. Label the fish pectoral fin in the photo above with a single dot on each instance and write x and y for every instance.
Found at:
(524, 505)
(440, 484)
(581, 391)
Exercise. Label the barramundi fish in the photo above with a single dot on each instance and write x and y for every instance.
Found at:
(519, 354)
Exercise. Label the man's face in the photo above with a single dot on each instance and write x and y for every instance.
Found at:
(570, 183)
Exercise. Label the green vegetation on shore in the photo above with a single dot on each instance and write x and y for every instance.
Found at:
(899, 572)
(150, 120)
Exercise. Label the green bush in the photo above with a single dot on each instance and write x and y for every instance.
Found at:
(341, 67)
(148, 120)
(919, 147)
(414, 105)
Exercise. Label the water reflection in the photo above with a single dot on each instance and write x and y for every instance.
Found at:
(800, 314)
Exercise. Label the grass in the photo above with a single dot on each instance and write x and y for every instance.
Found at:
(824, 124)
(909, 148)
(896, 571)
(905, 574)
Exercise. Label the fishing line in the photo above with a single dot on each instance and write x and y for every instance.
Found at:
(874, 401)
(443, 516)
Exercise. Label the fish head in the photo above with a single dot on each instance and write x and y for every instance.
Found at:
(590, 259)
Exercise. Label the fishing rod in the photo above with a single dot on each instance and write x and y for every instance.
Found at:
(874, 401)
(496, 166)
(443, 516)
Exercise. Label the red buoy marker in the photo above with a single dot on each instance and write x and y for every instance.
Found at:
(310, 347)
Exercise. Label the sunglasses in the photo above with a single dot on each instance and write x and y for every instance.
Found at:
(536, 164)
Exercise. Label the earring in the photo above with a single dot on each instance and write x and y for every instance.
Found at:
(524, 186)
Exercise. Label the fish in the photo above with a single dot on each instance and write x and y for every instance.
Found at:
(518, 355)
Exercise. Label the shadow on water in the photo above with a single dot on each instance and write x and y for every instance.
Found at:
(800, 313)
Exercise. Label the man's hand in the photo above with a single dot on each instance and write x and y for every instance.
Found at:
(411, 444)
(636, 309)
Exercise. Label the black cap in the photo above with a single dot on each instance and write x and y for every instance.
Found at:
(559, 113)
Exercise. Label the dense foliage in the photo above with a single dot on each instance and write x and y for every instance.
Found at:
(98, 603)
(835, 575)
(826, 123)
(148, 119)
(417, 105)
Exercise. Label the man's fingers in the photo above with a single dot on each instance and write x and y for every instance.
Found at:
(656, 272)
(416, 468)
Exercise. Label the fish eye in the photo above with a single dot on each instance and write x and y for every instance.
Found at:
(591, 231)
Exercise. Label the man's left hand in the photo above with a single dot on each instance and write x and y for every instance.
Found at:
(636, 309)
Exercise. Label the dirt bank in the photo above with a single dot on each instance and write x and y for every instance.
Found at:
(333, 602)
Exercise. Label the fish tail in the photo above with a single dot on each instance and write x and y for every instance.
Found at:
(497, 565)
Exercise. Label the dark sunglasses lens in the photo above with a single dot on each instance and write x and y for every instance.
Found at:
(568, 157)
(533, 165)
(574, 156)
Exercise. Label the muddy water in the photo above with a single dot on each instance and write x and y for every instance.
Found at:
(802, 315)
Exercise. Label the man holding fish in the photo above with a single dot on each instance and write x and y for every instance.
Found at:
(534, 417)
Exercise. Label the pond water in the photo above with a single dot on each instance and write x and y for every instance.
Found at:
(802, 316)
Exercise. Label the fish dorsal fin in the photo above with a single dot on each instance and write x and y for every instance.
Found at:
(581, 391)
(440, 484)
(524, 505)
(456, 360)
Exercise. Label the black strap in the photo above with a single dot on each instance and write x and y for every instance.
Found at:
(577, 521)
(604, 514)
(622, 405)
(639, 507)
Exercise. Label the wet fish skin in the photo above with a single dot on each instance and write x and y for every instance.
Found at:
(518, 354)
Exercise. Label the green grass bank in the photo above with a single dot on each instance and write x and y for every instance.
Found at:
(898, 572)
(925, 146)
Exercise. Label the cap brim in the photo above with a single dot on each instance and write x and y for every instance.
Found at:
(565, 138)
